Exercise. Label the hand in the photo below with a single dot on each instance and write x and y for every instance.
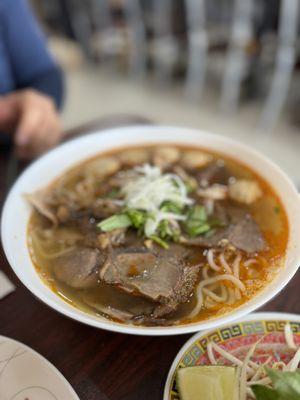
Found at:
(32, 118)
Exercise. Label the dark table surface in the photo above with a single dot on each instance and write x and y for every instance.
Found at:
(99, 365)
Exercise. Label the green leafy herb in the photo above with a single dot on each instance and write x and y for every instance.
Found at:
(159, 241)
(286, 386)
(264, 393)
(115, 222)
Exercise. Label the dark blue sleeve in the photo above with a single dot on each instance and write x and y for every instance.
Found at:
(31, 62)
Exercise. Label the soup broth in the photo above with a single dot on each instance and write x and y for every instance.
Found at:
(158, 235)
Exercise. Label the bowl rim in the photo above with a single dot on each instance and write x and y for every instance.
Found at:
(256, 316)
(85, 318)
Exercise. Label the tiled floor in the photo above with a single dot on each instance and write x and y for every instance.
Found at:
(94, 92)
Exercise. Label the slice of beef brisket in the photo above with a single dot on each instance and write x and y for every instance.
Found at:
(79, 268)
(241, 232)
(163, 278)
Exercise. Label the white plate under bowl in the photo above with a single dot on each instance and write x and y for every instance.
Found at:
(25, 374)
(16, 213)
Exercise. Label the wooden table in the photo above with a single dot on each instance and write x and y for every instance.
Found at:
(99, 365)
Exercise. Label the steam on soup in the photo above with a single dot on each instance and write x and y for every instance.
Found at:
(157, 235)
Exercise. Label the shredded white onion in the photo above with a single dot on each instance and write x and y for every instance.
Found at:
(150, 189)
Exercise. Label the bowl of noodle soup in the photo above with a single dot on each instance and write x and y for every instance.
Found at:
(229, 246)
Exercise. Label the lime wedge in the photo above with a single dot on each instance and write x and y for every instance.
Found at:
(208, 382)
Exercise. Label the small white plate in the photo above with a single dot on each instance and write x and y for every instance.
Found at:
(25, 374)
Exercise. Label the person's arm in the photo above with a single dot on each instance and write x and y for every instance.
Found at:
(32, 65)
(29, 113)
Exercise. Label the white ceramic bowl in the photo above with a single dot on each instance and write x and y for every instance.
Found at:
(16, 213)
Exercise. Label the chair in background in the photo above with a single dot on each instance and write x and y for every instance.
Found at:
(234, 32)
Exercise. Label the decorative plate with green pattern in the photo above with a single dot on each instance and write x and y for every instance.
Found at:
(236, 339)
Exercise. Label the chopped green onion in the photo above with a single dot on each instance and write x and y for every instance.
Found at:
(169, 206)
(200, 229)
(196, 223)
(164, 229)
(159, 241)
(115, 222)
(137, 217)
(198, 213)
(168, 231)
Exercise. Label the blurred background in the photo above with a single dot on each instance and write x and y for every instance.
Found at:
(228, 66)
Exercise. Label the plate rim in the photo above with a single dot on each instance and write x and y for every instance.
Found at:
(47, 362)
(257, 316)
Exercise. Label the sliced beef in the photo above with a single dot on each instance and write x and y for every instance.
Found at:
(215, 172)
(113, 238)
(242, 232)
(246, 235)
(165, 279)
(103, 208)
(121, 306)
(39, 201)
(79, 268)
(119, 313)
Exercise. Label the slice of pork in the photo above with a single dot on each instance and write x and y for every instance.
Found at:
(79, 268)
(162, 278)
